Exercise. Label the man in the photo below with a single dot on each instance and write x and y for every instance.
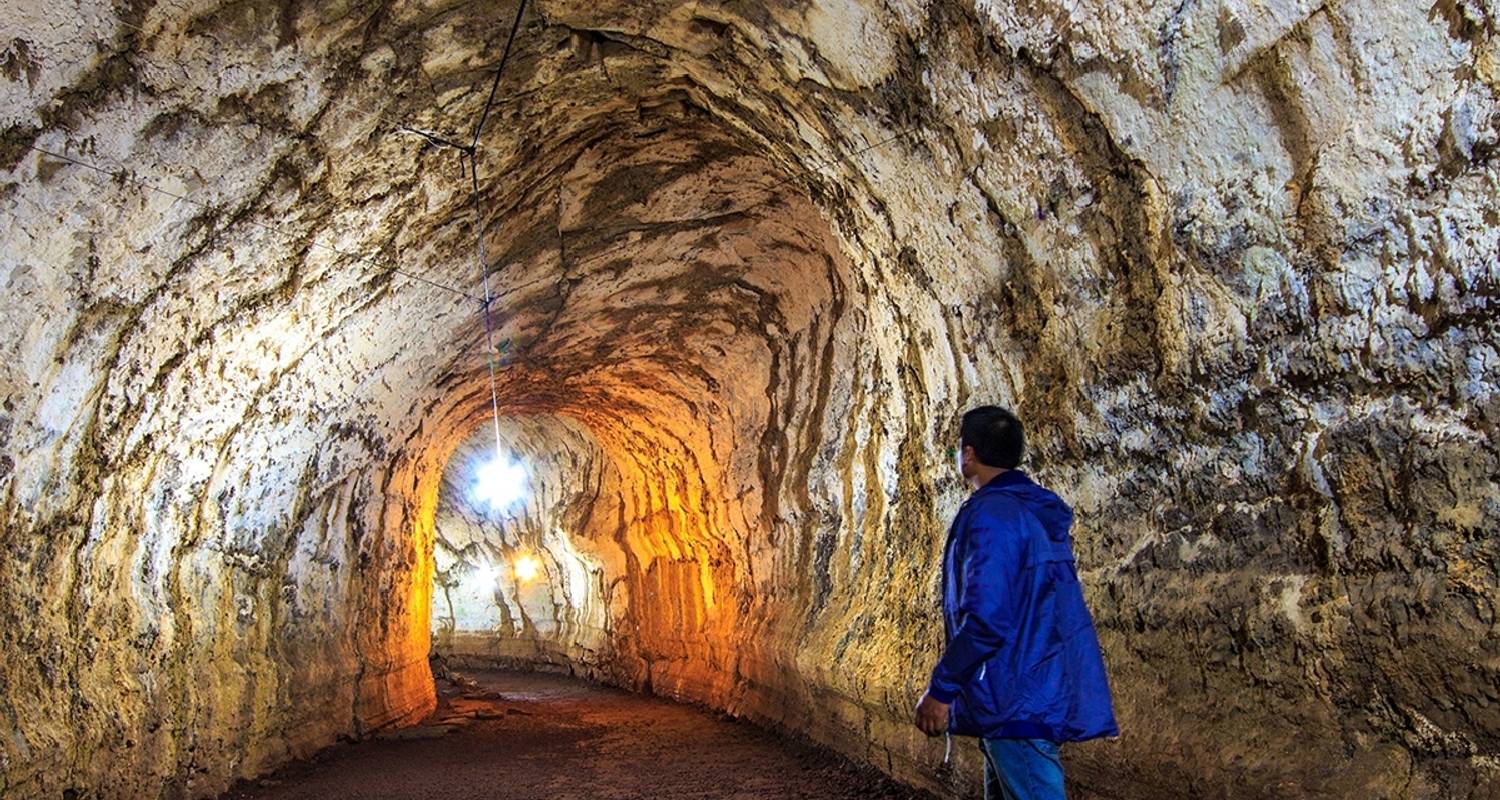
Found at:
(1022, 669)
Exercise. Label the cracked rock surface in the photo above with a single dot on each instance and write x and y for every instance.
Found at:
(1235, 264)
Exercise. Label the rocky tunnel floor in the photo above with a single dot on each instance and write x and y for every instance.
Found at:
(536, 735)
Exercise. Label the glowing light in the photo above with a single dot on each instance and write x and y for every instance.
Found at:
(527, 568)
(484, 576)
(499, 483)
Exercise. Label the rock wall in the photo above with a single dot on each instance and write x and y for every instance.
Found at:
(1235, 265)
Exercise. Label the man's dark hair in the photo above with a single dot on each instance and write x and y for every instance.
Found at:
(995, 434)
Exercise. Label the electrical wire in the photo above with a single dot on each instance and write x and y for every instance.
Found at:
(489, 102)
(489, 328)
(484, 270)
(472, 150)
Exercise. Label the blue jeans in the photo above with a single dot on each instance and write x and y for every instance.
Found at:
(1021, 769)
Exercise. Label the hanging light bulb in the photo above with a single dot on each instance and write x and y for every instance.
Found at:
(527, 567)
(499, 483)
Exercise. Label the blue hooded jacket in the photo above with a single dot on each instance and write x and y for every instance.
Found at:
(1022, 660)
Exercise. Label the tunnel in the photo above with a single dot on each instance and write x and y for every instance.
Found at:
(712, 283)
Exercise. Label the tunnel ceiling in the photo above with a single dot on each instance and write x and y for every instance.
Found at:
(1234, 263)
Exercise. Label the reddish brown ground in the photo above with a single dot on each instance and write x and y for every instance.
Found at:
(540, 736)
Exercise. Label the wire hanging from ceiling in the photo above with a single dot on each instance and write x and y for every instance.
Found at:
(471, 151)
(484, 270)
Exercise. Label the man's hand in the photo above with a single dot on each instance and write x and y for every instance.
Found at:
(932, 716)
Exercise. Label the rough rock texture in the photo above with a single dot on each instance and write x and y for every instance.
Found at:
(1235, 263)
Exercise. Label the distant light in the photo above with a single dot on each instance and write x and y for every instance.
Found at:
(499, 483)
(527, 568)
(484, 576)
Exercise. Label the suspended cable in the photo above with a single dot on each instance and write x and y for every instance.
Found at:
(489, 330)
(484, 271)
(489, 102)
(471, 150)
(434, 138)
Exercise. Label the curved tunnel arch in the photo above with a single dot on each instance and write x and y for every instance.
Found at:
(672, 344)
(1227, 262)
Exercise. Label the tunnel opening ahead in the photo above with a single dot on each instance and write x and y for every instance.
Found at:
(523, 582)
(661, 397)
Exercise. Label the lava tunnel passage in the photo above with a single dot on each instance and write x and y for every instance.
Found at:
(662, 364)
(265, 447)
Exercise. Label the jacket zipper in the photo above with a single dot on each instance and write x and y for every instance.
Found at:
(947, 553)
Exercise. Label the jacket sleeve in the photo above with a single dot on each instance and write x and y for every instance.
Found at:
(986, 608)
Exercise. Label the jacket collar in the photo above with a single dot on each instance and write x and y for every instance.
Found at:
(1010, 477)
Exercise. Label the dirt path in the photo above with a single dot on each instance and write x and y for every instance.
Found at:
(545, 736)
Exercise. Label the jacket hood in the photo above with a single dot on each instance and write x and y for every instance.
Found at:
(1049, 509)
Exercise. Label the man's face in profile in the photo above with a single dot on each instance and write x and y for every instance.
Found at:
(957, 455)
